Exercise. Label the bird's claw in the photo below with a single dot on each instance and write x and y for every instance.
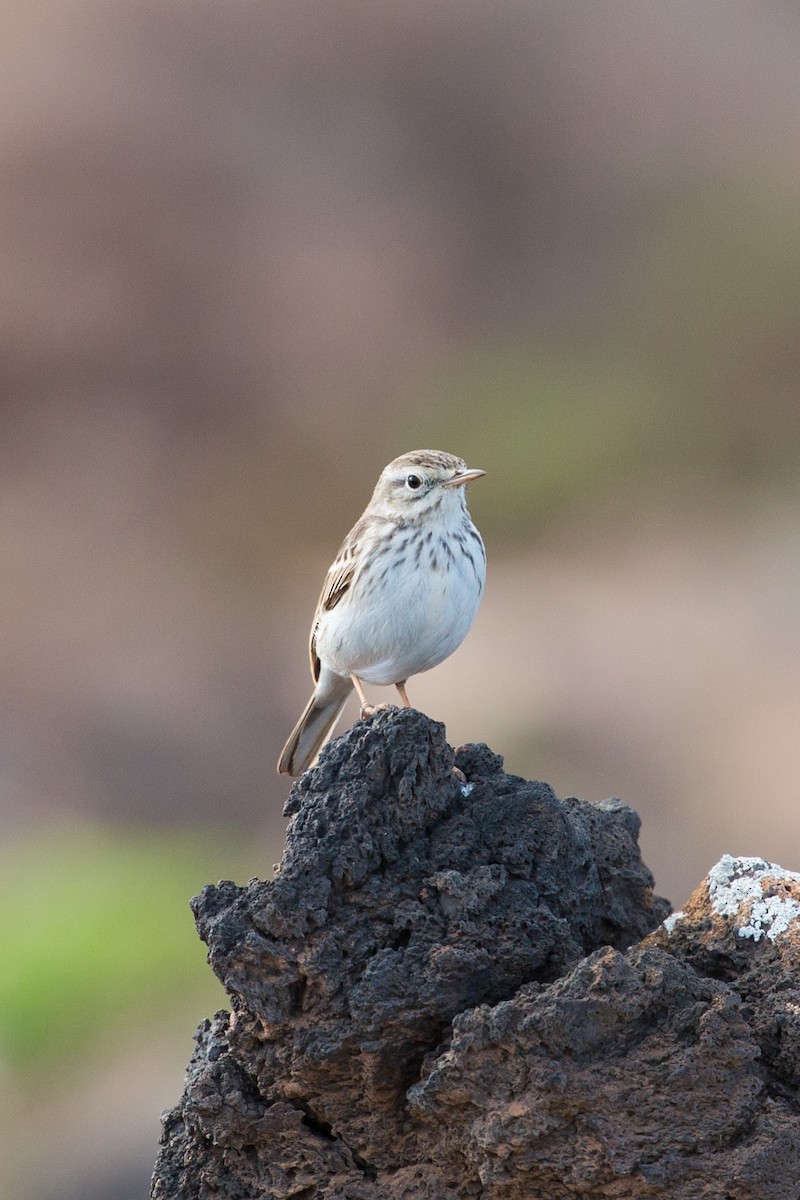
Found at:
(369, 710)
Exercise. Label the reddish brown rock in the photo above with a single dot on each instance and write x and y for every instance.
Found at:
(444, 993)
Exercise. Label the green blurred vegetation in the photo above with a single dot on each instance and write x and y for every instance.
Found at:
(97, 937)
(567, 428)
(686, 384)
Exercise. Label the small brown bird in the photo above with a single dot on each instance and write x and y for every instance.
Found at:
(399, 598)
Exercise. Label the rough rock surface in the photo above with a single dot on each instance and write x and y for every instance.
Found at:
(448, 991)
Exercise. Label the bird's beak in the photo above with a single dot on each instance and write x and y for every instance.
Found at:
(464, 477)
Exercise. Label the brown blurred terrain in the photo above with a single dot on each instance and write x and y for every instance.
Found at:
(251, 253)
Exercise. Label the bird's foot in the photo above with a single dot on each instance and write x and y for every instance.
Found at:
(369, 710)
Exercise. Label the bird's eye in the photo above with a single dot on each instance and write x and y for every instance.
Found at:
(413, 482)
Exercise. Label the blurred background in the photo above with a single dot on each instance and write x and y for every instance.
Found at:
(249, 254)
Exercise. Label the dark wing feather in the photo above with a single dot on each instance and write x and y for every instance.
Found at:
(337, 582)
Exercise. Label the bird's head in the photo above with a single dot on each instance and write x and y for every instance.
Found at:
(421, 483)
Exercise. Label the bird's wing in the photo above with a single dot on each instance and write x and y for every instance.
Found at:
(337, 582)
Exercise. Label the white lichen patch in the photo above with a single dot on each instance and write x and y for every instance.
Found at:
(671, 921)
(756, 892)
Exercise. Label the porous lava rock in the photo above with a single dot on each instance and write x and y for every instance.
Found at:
(448, 991)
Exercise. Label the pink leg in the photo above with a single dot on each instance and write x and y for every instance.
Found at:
(365, 705)
(401, 687)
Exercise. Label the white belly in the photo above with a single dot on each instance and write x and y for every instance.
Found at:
(406, 625)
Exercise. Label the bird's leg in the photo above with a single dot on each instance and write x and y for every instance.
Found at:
(401, 687)
(367, 709)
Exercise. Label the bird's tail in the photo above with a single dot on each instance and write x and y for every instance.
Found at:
(315, 726)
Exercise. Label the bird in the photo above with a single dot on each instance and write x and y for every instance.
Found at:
(399, 598)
